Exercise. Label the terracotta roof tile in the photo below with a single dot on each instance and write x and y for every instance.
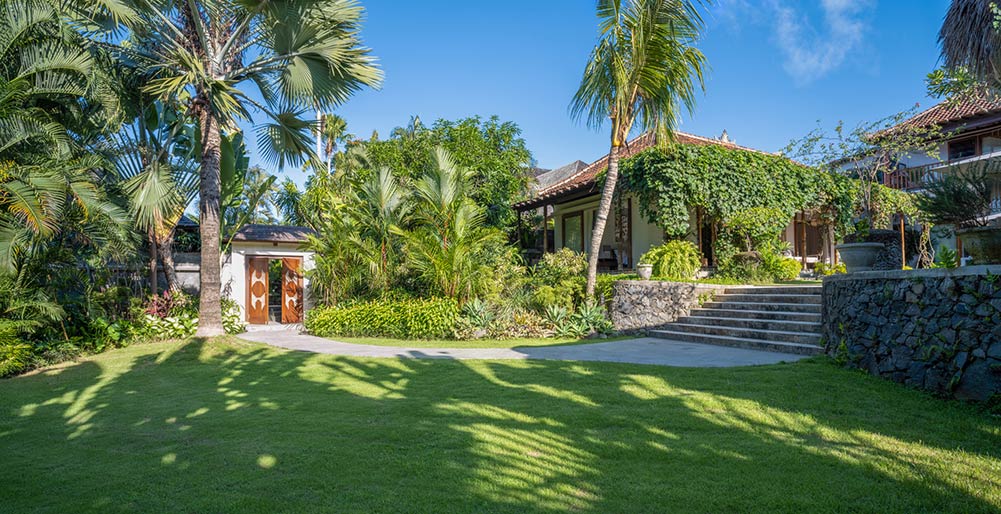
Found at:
(585, 178)
(950, 112)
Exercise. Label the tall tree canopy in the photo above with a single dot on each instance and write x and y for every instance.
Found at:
(209, 55)
(493, 151)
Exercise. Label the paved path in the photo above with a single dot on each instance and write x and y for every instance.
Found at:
(645, 350)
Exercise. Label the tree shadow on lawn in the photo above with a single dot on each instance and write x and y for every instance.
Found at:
(227, 426)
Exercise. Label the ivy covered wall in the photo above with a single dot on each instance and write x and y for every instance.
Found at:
(672, 180)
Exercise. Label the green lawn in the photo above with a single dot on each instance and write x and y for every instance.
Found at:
(230, 426)
(473, 343)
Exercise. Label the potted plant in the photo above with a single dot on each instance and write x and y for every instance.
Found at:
(963, 198)
(644, 270)
(870, 153)
(860, 255)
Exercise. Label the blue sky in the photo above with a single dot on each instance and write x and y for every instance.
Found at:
(778, 67)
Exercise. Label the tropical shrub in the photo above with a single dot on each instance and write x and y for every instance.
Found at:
(450, 232)
(823, 269)
(174, 315)
(590, 318)
(757, 226)
(947, 258)
(559, 279)
(407, 318)
(780, 267)
(479, 319)
(674, 260)
(15, 354)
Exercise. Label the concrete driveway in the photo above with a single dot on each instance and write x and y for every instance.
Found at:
(645, 350)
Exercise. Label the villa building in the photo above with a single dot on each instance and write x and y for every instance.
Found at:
(568, 205)
(973, 134)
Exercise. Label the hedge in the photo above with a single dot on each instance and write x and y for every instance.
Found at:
(433, 318)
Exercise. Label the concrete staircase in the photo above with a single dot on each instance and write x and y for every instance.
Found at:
(778, 319)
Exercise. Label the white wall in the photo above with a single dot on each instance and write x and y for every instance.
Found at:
(644, 234)
(234, 269)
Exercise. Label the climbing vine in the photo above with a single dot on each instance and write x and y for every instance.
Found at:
(724, 182)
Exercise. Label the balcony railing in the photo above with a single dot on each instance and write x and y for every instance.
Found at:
(914, 179)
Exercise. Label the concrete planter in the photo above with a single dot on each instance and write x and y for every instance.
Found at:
(859, 256)
(982, 243)
(644, 271)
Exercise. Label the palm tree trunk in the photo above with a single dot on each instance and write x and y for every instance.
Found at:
(604, 207)
(167, 258)
(210, 308)
(153, 286)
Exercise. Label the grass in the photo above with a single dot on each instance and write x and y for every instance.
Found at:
(231, 426)
(473, 343)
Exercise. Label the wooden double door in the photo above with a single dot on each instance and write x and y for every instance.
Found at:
(258, 285)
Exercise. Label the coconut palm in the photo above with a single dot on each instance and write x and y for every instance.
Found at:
(970, 39)
(642, 71)
(206, 56)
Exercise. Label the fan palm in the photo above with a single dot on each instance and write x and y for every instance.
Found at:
(297, 54)
(152, 154)
(970, 39)
(642, 71)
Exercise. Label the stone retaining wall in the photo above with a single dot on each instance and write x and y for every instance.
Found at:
(638, 305)
(938, 330)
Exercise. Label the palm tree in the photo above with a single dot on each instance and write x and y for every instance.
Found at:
(48, 78)
(450, 231)
(297, 54)
(332, 134)
(160, 176)
(970, 39)
(379, 210)
(642, 70)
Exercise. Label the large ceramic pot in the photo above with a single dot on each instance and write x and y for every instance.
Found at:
(982, 243)
(859, 256)
(644, 271)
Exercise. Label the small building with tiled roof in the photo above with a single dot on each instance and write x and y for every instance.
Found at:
(265, 274)
(273, 234)
(569, 206)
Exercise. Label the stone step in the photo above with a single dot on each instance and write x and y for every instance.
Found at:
(747, 333)
(761, 306)
(768, 298)
(757, 324)
(811, 290)
(738, 342)
(750, 314)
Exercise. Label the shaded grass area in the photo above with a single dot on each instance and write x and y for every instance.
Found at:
(472, 343)
(231, 426)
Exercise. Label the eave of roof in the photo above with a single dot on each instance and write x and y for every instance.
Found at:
(955, 113)
(256, 233)
(584, 180)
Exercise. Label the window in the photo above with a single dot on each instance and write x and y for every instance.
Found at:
(573, 232)
(990, 144)
(962, 148)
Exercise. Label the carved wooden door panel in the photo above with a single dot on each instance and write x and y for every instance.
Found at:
(257, 290)
(291, 290)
